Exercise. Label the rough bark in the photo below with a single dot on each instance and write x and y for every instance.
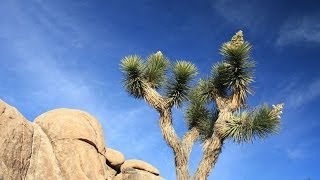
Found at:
(154, 99)
(172, 139)
(188, 140)
(212, 149)
(170, 136)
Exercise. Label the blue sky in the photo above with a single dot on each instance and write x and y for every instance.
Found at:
(66, 54)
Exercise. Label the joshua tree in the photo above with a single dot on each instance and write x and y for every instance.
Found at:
(217, 108)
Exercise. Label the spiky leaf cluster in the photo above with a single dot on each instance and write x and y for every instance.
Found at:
(233, 76)
(239, 70)
(259, 123)
(152, 72)
(156, 67)
(205, 90)
(199, 116)
(179, 85)
(206, 128)
(133, 69)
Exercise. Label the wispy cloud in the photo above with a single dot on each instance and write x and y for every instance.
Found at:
(296, 91)
(300, 94)
(295, 153)
(299, 30)
(244, 14)
(35, 42)
(302, 149)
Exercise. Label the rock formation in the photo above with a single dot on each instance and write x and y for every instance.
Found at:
(62, 144)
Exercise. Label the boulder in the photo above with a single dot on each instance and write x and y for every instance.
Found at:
(15, 143)
(135, 174)
(63, 124)
(114, 157)
(43, 162)
(138, 164)
(77, 140)
(62, 144)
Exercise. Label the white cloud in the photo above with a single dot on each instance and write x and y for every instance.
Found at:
(300, 149)
(244, 14)
(295, 153)
(301, 94)
(37, 39)
(299, 30)
(296, 92)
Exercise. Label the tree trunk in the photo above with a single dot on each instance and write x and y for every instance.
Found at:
(161, 105)
(170, 136)
(212, 149)
(188, 140)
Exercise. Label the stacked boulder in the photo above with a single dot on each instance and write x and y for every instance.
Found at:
(62, 144)
(137, 169)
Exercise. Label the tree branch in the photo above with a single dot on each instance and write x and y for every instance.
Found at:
(188, 140)
(172, 139)
(212, 146)
(153, 98)
(174, 142)
(211, 150)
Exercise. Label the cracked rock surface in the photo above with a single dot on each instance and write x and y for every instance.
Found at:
(16, 136)
(61, 144)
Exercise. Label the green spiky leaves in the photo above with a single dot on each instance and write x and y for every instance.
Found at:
(258, 123)
(240, 70)
(133, 70)
(137, 72)
(205, 90)
(198, 115)
(156, 67)
(153, 71)
(179, 85)
(234, 74)
(220, 78)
